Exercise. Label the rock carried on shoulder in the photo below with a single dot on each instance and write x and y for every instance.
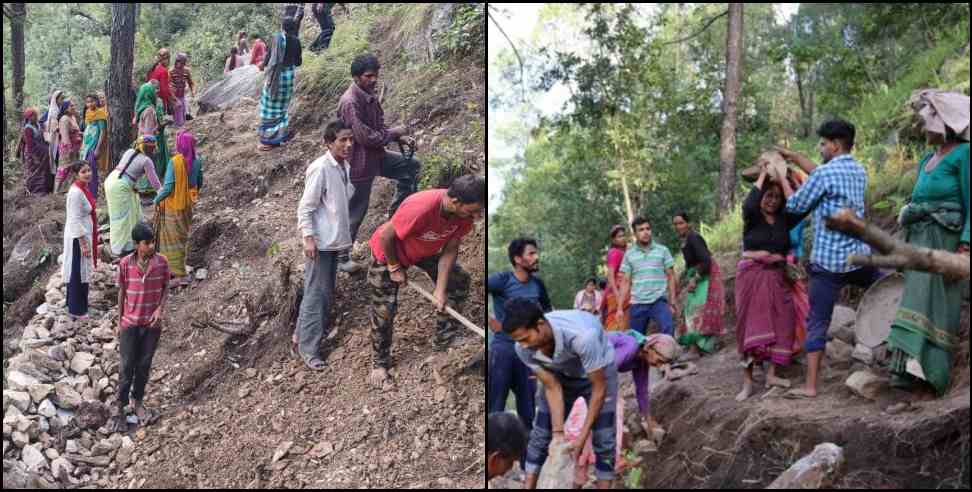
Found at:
(819, 470)
(867, 384)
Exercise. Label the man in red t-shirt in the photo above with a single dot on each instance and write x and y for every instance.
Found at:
(425, 232)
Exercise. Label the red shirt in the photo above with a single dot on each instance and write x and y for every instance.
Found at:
(258, 51)
(420, 229)
(161, 74)
(143, 290)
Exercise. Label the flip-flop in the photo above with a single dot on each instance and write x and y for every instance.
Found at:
(314, 364)
(798, 394)
(118, 424)
(151, 417)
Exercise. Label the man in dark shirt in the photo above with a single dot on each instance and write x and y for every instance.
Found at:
(322, 12)
(506, 371)
(360, 108)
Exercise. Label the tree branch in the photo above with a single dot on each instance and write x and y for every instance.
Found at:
(516, 52)
(897, 254)
(98, 25)
(697, 34)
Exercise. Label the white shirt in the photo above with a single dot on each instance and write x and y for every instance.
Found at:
(77, 226)
(323, 211)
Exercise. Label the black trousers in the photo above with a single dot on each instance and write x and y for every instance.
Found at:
(138, 345)
(323, 40)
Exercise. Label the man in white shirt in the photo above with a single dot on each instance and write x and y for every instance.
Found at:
(323, 220)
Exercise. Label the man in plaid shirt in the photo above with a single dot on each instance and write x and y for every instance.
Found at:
(838, 184)
(143, 280)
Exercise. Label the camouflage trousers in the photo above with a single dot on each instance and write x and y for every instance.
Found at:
(384, 306)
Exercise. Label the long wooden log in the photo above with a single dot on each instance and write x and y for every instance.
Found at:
(897, 254)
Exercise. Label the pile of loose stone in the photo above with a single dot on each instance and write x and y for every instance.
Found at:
(57, 392)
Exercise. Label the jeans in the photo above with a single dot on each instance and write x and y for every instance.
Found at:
(313, 323)
(394, 166)
(603, 432)
(137, 345)
(641, 314)
(507, 372)
(825, 290)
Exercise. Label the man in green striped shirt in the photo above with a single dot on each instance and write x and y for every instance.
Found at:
(648, 270)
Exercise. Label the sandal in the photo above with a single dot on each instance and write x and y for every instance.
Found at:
(798, 394)
(151, 417)
(314, 364)
(265, 148)
(118, 424)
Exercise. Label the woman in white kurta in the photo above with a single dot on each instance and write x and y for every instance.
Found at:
(80, 241)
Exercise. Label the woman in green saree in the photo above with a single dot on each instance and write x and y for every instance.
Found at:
(151, 122)
(925, 332)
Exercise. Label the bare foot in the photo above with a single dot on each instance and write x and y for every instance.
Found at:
(379, 377)
(777, 382)
(745, 393)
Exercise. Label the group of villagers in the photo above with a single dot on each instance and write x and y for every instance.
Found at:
(784, 301)
(423, 229)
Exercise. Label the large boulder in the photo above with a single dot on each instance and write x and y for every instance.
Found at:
(246, 81)
(39, 246)
(819, 470)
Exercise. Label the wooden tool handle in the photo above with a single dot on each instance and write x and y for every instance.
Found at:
(452, 312)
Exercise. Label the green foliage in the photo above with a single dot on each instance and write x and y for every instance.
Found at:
(467, 35)
(633, 477)
(725, 236)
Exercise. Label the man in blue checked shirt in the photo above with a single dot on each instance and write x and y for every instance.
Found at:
(837, 184)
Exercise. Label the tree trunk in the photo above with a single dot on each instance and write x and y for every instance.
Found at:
(627, 197)
(120, 102)
(19, 11)
(802, 90)
(727, 151)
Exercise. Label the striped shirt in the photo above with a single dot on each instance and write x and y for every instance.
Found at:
(647, 268)
(837, 185)
(143, 290)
